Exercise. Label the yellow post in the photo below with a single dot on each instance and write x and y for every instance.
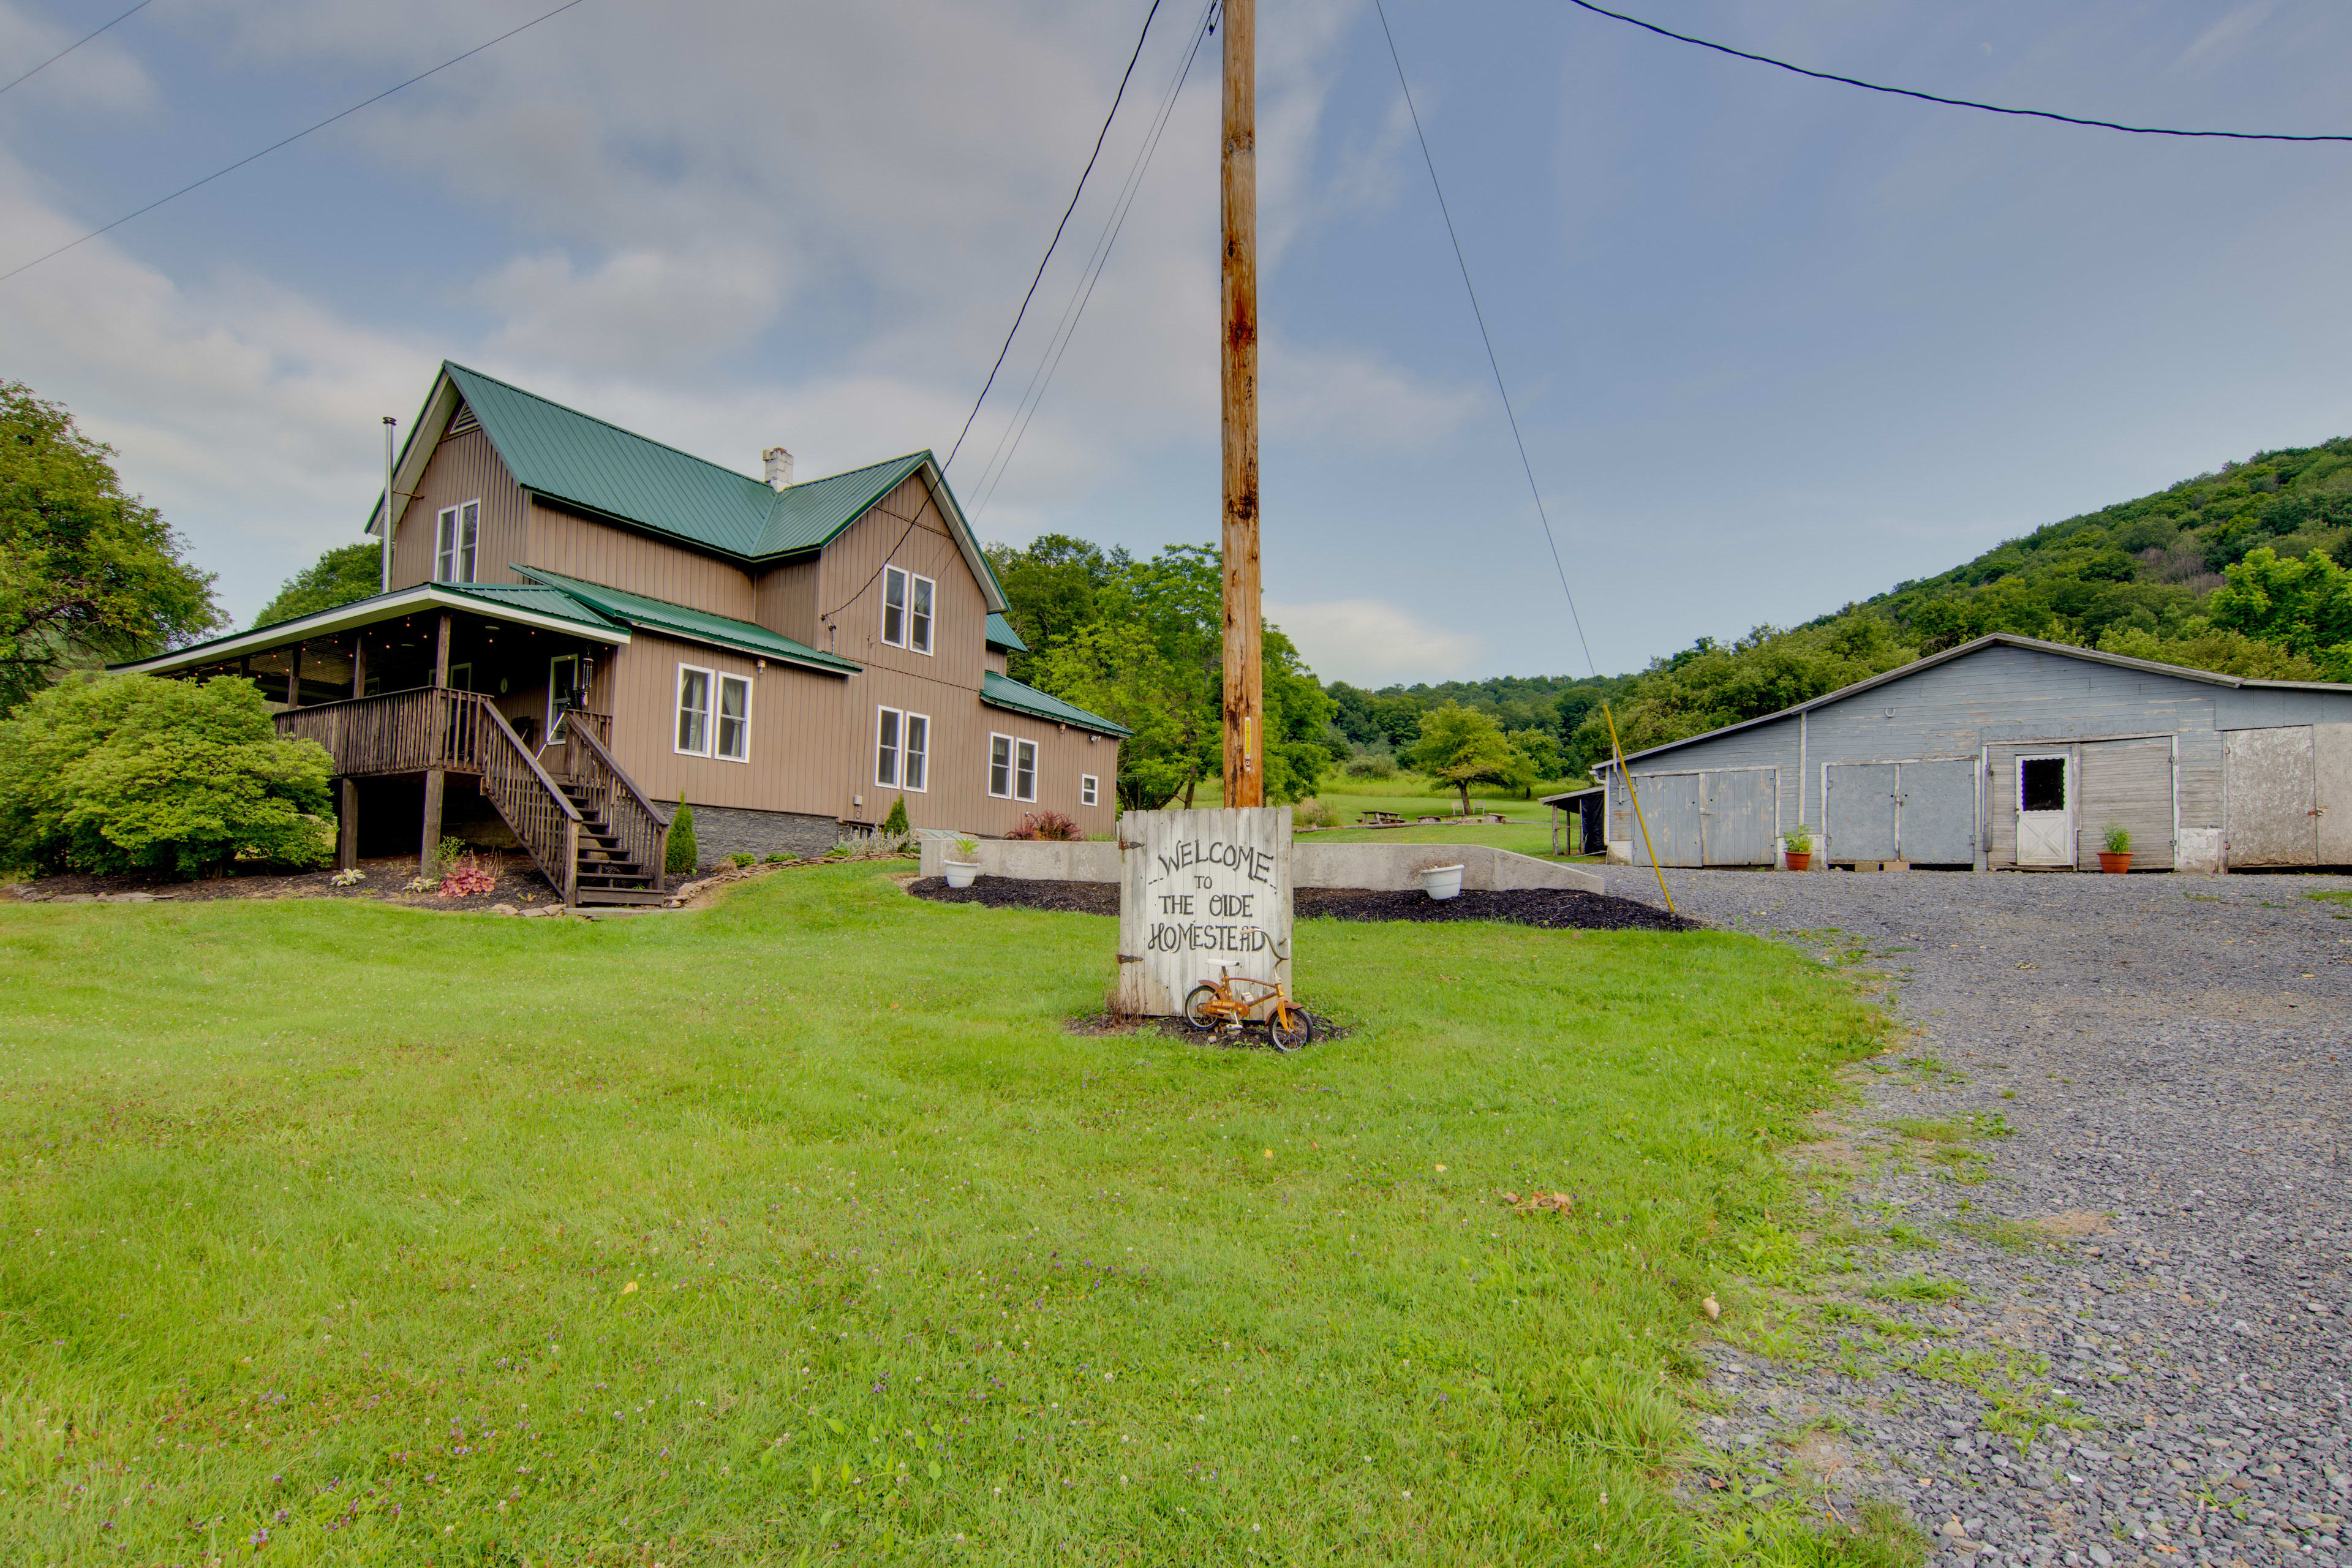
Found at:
(1633, 795)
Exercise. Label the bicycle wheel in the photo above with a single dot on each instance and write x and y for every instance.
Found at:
(1195, 1008)
(1289, 1028)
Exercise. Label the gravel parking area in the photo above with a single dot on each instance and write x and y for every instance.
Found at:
(2122, 1125)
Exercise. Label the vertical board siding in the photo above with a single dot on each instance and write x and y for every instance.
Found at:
(594, 552)
(462, 468)
(783, 600)
(903, 529)
(796, 756)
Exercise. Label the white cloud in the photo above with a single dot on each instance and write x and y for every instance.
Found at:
(1370, 642)
(641, 310)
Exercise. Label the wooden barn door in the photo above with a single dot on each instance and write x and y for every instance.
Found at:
(1737, 815)
(1858, 810)
(2270, 798)
(2129, 784)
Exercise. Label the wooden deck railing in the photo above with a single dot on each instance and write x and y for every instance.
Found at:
(399, 733)
(642, 827)
(539, 813)
(458, 733)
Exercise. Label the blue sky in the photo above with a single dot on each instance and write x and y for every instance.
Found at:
(1777, 344)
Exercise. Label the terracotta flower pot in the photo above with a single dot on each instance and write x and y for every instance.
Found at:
(1800, 859)
(2115, 864)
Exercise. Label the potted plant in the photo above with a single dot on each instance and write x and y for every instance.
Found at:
(2115, 857)
(965, 865)
(1798, 845)
(1442, 881)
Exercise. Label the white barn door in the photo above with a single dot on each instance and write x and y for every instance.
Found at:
(2045, 809)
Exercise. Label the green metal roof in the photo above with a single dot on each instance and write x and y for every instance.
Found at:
(534, 597)
(695, 626)
(1001, 635)
(582, 461)
(1004, 691)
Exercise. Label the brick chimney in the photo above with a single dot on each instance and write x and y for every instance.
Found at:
(780, 468)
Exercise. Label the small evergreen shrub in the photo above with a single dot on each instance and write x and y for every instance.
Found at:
(743, 857)
(132, 773)
(894, 825)
(684, 856)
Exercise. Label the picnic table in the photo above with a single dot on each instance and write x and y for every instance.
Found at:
(1381, 819)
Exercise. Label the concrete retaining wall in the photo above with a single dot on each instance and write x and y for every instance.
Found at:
(1378, 867)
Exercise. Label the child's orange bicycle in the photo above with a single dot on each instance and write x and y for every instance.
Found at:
(1217, 1005)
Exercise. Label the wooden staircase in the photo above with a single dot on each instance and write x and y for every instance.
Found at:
(605, 872)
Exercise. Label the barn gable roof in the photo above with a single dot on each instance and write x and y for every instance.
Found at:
(1994, 639)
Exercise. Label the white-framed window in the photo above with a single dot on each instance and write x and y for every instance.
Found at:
(915, 745)
(907, 609)
(889, 724)
(1012, 768)
(1088, 787)
(455, 535)
(562, 676)
(693, 711)
(731, 739)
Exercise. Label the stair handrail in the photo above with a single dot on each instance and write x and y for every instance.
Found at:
(645, 830)
(554, 843)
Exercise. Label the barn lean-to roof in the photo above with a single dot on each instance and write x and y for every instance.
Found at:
(1992, 639)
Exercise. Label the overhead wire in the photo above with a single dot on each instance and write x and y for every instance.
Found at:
(1018, 315)
(1938, 98)
(77, 44)
(1495, 363)
(1090, 274)
(289, 141)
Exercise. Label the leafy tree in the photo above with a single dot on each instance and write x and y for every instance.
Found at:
(2304, 606)
(2217, 648)
(343, 576)
(129, 773)
(1051, 587)
(1461, 746)
(1541, 751)
(1118, 670)
(86, 573)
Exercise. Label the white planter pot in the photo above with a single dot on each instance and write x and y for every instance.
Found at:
(1442, 881)
(959, 875)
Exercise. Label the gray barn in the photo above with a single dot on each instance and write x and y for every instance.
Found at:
(2010, 751)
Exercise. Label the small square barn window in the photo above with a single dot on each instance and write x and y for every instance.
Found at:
(1086, 789)
(2041, 784)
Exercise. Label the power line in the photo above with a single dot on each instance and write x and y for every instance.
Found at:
(1483, 336)
(1935, 98)
(274, 147)
(1058, 343)
(1017, 315)
(77, 44)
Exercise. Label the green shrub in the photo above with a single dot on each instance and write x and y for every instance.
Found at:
(894, 825)
(683, 856)
(1376, 765)
(743, 857)
(135, 773)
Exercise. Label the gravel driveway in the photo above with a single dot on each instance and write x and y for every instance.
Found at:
(2124, 1124)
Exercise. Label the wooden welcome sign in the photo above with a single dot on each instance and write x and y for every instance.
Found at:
(1201, 892)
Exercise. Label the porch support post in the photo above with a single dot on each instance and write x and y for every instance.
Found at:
(294, 676)
(347, 827)
(358, 664)
(428, 851)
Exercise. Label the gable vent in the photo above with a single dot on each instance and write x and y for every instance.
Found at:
(463, 422)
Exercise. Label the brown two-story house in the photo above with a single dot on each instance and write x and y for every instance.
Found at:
(583, 628)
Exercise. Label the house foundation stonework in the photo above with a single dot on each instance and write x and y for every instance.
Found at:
(584, 627)
(723, 830)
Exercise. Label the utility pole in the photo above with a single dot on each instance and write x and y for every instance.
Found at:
(1244, 686)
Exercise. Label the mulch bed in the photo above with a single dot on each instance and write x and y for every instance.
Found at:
(1556, 908)
(521, 886)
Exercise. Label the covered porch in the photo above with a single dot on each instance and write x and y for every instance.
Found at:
(468, 705)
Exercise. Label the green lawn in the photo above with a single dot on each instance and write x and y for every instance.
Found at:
(800, 1228)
